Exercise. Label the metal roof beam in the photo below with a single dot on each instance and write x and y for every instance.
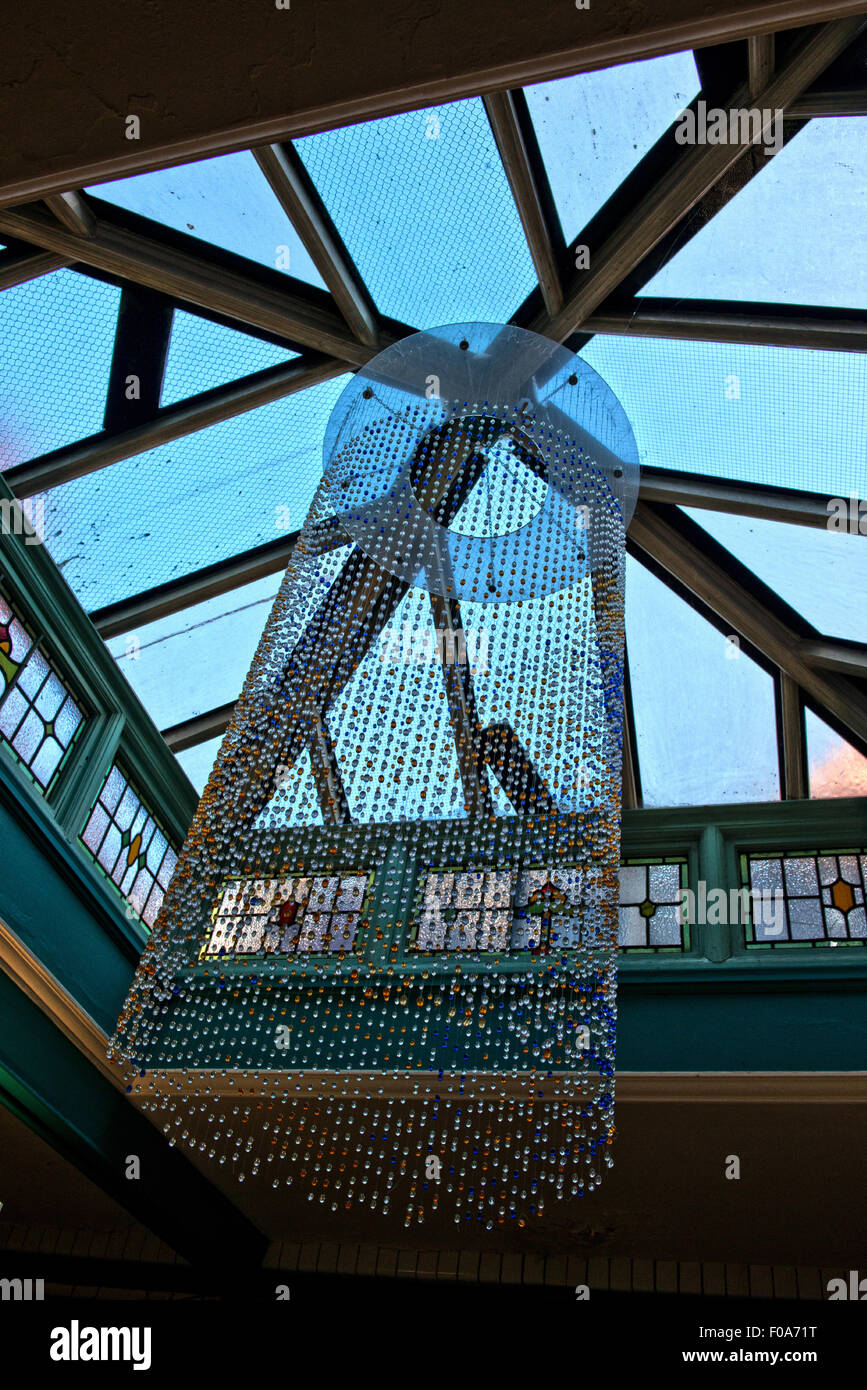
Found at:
(724, 321)
(512, 129)
(708, 571)
(263, 300)
(300, 200)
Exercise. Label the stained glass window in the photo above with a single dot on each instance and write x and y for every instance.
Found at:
(540, 910)
(39, 719)
(458, 910)
(651, 916)
(128, 844)
(806, 898)
(319, 913)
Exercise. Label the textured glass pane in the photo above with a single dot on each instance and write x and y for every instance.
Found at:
(126, 811)
(33, 674)
(50, 697)
(111, 849)
(140, 825)
(154, 903)
(849, 868)
(805, 919)
(156, 849)
(190, 503)
(664, 926)
(769, 916)
(227, 201)
(857, 922)
(12, 711)
(664, 883)
(29, 736)
(766, 875)
(789, 416)
(95, 829)
(46, 761)
(801, 878)
(138, 893)
(633, 927)
(19, 640)
(196, 659)
(111, 791)
(821, 574)
(705, 723)
(836, 768)
(811, 194)
(58, 335)
(828, 871)
(203, 355)
(167, 868)
(424, 208)
(633, 884)
(123, 875)
(592, 129)
(67, 721)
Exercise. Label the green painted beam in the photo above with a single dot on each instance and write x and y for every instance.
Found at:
(815, 1028)
(62, 908)
(55, 1090)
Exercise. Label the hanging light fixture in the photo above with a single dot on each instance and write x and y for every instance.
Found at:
(385, 968)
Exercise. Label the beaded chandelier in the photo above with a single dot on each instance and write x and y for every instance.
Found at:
(385, 968)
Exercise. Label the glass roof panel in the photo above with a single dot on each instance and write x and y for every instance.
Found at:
(198, 761)
(424, 208)
(227, 201)
(192, 502)
(203, 354)
(58, 337)
(835, 767)
(821, 574)
(704, 713)
(195, 660)
(593, 129)
(764, 244)
(786, 416)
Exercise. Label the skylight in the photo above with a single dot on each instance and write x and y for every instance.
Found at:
(57, 335)
(226, 201)
(786, 416)
(593, 128)
(186, 643)
(190, 503)
(793, 235)
(424, 208)
(203, 354)
(705, 719)
(821, 574)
